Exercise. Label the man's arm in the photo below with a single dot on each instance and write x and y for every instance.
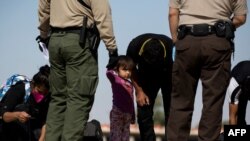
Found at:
(103, 18)
(173, 22)
(42, 135)
(132, 51)
(239, 20)
(44, 18)
(233, 110)
(141, 98)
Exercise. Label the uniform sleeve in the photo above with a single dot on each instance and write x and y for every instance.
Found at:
(240, 7)
(174, 3)
(14, 96)
(103, 19)
(44, 17)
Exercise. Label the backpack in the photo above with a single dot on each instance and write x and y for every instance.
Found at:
(12, 81)
(7, 85)
(93, 131)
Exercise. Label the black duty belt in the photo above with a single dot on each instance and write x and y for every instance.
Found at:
(200, 30)
(76, 30)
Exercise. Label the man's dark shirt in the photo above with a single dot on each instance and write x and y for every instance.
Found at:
(241, 73)
(135, 46)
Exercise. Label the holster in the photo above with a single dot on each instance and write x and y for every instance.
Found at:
(93, 38)
(83, 32)
(89, 34)
(225, 29)
(221, 28)
(182, 30)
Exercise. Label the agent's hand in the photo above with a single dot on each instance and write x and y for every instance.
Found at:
(43, 46)
(142, 99)
(113, 57)
(45, 41)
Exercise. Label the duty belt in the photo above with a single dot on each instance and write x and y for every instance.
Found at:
(76, 30)
(195, 30)
(200, 30)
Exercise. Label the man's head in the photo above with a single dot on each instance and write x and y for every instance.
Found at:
(153, 52)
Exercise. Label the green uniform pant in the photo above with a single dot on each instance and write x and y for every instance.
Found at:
(73, 82)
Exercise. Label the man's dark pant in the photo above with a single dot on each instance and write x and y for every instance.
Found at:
(73, 82)
(151, 84)
(207, 58)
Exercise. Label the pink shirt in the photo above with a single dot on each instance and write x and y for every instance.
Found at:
(122, 89)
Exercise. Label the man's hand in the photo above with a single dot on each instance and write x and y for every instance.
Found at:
(142, 99)
(43, 46)
(43, 40)
(113, 57)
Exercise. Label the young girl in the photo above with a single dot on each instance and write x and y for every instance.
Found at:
(122, 113)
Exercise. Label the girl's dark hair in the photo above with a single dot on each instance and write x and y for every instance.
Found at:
(42, 77)
(125, 62)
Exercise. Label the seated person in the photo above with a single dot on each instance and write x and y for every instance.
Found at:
(22, 120)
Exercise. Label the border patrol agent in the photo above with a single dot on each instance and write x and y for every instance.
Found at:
(74, 63)
(203, 32)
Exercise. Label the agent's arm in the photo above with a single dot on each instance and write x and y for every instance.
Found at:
(239, 20)
(173, 22)
(44, 18)
(239, 13)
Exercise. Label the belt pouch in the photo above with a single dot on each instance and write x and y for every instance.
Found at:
(200, 30)
(182, 31)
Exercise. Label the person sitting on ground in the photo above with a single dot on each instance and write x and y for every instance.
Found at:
(25, 121)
